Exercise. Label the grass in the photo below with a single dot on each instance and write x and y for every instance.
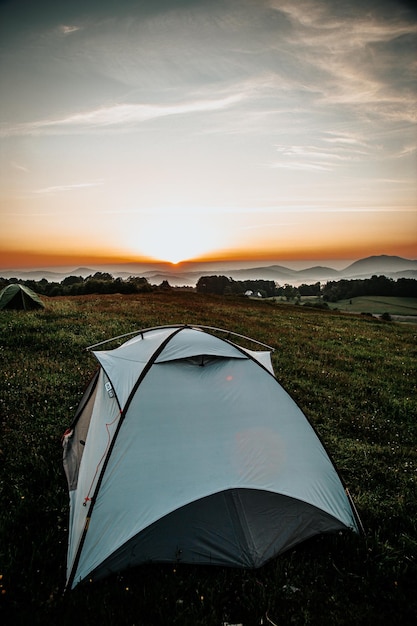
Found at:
(354, 377)
(374, 305)
(379, 305)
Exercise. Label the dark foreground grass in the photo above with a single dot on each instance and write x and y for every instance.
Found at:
(354, 377)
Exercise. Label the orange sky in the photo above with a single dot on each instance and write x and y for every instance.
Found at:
(21, 259)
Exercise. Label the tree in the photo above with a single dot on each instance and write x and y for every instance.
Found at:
(72, 280)
(290, 292)
(309, 290)
(100, 276)
(213, 284)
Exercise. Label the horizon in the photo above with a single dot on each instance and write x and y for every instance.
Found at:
(57, 264)
(223, 132)
(167, 267)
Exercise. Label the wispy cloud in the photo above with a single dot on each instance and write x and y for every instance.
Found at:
(344, 139)
(331, 150)
(311, 152)
(406, 151)
(68, 30)
(119, 115)
(17, 166)
(65, 188)
(262, 226)
(354, 58)
(300, 166)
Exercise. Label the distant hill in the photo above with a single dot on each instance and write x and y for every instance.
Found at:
(188, 274)
(281, 274)
(383, 264)
(392, 267)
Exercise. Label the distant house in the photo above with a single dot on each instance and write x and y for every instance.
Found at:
(250, 293)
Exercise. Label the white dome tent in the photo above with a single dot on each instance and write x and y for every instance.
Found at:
(186, 448)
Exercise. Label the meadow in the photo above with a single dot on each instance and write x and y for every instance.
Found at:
(354, 377)
(378, 305)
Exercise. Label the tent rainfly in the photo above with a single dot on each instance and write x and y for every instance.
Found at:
(18, 296)
(186, 448)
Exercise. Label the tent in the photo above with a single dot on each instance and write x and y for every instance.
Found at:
(18, 296)
(186, 448)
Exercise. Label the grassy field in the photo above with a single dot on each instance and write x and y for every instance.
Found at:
(355, 378)
(379, 305)
(374, 305)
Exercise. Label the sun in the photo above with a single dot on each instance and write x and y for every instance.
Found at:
(174, 239)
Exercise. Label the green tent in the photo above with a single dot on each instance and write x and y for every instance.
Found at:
(20, 297)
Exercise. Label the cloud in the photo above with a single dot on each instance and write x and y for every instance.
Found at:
(19, 167)
(262, 226)
(360, 60)
(68, 30)
(331, 150)
(65, 188)
(299, 166)
(406, 151)
(119, 115)
(344, 139)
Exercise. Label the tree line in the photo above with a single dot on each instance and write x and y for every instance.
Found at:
(332, 291)
(343, 289)
(224, 286)
(100, 282)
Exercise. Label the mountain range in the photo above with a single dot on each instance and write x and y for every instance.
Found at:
(187, 274)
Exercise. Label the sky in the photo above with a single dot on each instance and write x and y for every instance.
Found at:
(178, 130)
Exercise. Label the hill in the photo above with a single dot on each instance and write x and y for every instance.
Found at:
(392, 266)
